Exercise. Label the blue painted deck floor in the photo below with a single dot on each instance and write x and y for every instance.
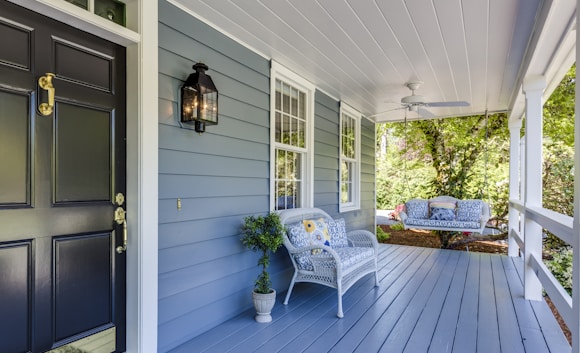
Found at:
(429, 300)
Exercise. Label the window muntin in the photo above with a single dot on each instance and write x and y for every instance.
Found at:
(292, 116)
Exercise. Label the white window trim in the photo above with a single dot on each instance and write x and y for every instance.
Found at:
(355, 204)
(280, 72)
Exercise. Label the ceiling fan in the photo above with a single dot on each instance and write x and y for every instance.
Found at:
(418, 103)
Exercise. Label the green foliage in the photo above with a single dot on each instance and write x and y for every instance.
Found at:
(462, 157)
(558, 153)
(559, 110)
(265, 235)
(561, 267)
(397, 226)
(382, 235)
(468, 157)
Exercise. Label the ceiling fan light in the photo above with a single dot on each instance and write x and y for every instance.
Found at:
(415, 99)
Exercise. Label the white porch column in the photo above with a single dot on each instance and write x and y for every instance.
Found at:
(533, 89)
(574, 326)
(142, 185)
(514, 192)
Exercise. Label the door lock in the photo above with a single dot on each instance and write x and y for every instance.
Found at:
(121, 219)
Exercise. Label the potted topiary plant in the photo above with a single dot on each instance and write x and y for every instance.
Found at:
(263, 234)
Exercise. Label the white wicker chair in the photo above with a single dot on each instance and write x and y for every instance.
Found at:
(337, 268)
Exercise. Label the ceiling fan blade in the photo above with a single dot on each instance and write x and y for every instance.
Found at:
(448, 104)
(425, 113)
(386, 111)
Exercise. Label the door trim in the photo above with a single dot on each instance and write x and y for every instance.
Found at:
(142, 152)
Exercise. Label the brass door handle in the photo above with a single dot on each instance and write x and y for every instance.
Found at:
(120, 219)
(45, 82)
(122, 248)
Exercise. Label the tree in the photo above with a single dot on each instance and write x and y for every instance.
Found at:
(558, 154)
(454, 156)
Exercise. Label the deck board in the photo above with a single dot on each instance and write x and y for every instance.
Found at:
(433, 310)
(466, 332)
(425, 302)
(429, 300)
(487, 327)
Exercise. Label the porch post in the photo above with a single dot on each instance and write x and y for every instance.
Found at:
(514, 192)
(142, 186)
(574, 326)
(533, 90)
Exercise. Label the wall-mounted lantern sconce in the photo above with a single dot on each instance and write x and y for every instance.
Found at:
(199, 99)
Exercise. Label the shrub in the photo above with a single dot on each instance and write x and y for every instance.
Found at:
(263, 234)
(561, 267)
(397, 226)
(382, 235)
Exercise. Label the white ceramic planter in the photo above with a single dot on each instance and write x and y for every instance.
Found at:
(264, 304)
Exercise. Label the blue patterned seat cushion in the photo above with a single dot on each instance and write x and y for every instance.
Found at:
(349, 256)
(469, 210)
(352, 256)
(418, 208)
(442, 224)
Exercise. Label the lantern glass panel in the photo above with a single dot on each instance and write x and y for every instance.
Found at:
(209, 108)
(190, 103)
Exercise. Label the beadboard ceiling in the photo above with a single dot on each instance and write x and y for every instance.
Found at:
(363, 52)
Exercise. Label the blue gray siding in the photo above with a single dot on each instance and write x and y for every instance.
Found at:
(326, 164)
(221, 176)
(205, 275)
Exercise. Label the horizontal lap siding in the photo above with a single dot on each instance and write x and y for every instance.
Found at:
(221, 176)
(327, 160)
(326, 153)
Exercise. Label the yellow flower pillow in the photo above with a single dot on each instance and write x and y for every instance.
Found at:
(318, 232)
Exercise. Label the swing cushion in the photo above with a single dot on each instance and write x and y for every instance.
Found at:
(440, 224)
(442, 214)
(418, 208)
(469, 210)
(442, 211)
(468, 216)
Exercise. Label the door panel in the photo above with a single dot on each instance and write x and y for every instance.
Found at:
(95, 71)
(16, 276)
(77, 256)
(84, 176)
(17, 50)
(62, 284)
(14, 132)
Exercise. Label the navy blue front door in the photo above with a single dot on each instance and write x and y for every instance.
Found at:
(62, 163)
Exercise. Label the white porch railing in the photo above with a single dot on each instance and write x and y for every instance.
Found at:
(561, 226)
(527, 217)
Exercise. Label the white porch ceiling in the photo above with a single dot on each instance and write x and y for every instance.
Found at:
(363, 51)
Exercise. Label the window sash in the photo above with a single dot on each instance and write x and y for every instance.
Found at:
(349, 193)
(291, 144)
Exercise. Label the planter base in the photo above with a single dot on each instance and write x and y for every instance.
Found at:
(264, 304)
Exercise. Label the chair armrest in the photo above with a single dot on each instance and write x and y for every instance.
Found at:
(363, 238)
(308, 249)
(403, 216)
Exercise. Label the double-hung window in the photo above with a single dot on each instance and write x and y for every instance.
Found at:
(349, 158)
(291, 121)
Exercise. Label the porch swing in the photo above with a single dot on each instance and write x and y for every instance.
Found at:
(446, 213)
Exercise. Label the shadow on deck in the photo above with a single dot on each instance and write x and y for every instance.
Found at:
(429, 300)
